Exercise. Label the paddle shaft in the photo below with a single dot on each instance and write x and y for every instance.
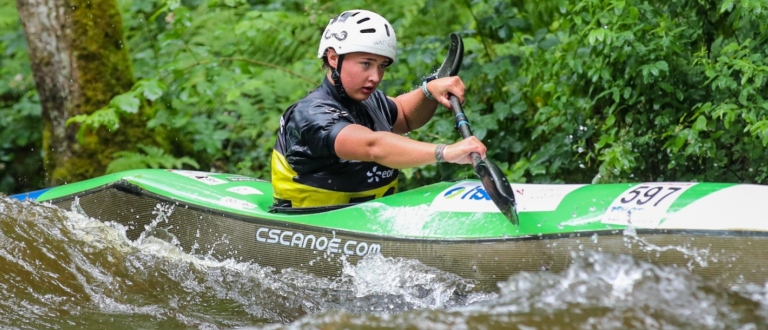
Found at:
(493, 179)
(462, 124)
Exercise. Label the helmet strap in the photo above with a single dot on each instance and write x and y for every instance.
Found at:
(336, 76)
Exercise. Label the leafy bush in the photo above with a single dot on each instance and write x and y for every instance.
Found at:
(228, 70)
(615, 90)
(560, 91)
(20, 118)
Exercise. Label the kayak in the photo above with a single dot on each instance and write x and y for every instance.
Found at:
(716, 230)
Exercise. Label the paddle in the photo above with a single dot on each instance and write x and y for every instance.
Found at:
(494, 181)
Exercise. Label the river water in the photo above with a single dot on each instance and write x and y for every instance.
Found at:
(62, 270)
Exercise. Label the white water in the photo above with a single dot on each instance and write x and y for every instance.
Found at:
(62, 270)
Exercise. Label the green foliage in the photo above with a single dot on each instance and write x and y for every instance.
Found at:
(127, 103)
(152, 157)
(213, 79)
(20, 115)
(560, 91)
(624, 90)
(9, 18)
(228, 70)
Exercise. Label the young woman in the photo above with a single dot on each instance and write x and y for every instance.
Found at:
(342, 143)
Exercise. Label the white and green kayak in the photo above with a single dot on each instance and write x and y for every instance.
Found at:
(719, 231)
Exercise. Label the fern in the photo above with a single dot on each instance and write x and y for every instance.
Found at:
(279, 38)
(152, 157)
(106, 117)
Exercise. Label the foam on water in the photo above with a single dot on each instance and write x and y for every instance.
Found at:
(76, 265)
(599, 291)
(61, 269)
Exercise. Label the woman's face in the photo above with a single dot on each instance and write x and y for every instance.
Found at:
(361, 73)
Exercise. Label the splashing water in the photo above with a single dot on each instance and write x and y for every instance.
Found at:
(63, 270)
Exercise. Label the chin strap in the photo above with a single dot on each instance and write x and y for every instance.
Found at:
(336, 76)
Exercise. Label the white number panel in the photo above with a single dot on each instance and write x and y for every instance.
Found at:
(645, 204)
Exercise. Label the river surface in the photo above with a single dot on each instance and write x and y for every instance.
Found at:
(62, 270)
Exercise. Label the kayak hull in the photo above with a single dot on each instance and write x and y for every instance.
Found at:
(722, 256)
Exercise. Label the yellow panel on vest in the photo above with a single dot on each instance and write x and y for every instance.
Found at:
(302, 195)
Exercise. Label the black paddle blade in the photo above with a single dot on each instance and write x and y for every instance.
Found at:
(498, 188)
(452, 62)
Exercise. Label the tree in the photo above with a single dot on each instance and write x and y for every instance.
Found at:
(79, 63)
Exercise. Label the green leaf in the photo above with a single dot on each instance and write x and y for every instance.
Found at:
(152, 89)
(173, 4)
(700, 124)
(501, 109)
(727, 5)
(596, 35)
(519, 107)
(678, 142)
(126, 102)
(549, 42)
(666, 86)
(604, 140)
(627, 92)
(518, 23)
(233, 94)
(744, 96)
(730, 48)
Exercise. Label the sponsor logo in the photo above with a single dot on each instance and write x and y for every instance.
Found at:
(341, 36)
(240, 178)
(454, 192)
(374, 175)
(210, 180)
(542, 192)
(466, 196)
(245, 191)
(200, 176)
(386, 43)
(236, 203)
(337, 113)
(477, 193)
(318, 243)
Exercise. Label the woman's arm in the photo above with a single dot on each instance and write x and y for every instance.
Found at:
(356, 142)
(414, 109)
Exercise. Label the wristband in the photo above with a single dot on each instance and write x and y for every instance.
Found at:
(439, 153)
(424, 86)
(426, 92)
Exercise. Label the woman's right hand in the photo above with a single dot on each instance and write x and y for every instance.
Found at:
(442, 88)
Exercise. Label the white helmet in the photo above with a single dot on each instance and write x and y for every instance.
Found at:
(359, 31)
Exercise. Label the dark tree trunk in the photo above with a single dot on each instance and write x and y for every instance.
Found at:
(79, 63)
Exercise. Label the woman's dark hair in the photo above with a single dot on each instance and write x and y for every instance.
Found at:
(326, 65)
